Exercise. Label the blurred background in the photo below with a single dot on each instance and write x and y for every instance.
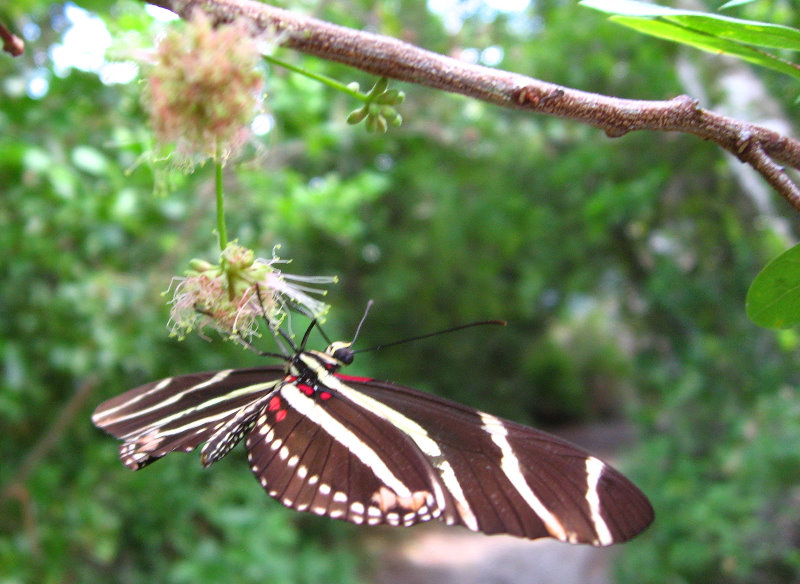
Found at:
(621, 266)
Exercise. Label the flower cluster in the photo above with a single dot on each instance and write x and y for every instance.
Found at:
(379, 109)
(205, 87)
(235, 294)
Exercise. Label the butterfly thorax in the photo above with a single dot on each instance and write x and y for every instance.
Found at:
(311, 369)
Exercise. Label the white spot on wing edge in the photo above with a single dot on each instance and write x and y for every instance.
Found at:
(594, 470)
(511, 468)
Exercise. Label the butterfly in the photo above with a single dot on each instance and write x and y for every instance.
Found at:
(372, 452)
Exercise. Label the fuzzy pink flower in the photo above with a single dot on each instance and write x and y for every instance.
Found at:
(235, 294)
(205, 87)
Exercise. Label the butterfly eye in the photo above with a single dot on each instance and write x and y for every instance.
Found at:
(344, 354)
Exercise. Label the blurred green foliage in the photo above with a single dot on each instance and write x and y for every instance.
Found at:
(620, 265)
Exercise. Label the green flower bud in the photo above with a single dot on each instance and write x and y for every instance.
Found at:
(357, 116)
(379, 87)
(389, 113)
(198, 265)
(390, 97)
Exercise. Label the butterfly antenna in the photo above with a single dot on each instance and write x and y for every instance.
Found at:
(361, 323)
(441, 332)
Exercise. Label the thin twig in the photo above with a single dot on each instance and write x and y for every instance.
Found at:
(49, 439)
(17, 487)
(383, 56)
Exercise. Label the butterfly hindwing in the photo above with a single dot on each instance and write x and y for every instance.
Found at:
(328, 456)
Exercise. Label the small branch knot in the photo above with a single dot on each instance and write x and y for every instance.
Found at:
(744, 141)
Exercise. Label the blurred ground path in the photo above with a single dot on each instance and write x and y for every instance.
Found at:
(433, 554)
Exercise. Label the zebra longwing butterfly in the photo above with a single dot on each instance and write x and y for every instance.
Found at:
(372, 452)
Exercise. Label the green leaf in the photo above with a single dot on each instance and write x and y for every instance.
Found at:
(773, 300)
(705, 42)
(709, 32)
(630, 8)
(734, 3)
(748, 32)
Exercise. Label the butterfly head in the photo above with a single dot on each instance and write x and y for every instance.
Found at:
(341, 351)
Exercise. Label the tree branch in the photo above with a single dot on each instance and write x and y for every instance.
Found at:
(756, 145)
(12, 44)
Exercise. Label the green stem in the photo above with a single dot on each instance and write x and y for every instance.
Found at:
(221, 231)
(317, 77)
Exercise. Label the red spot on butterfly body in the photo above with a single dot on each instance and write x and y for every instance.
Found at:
(280, 416)
(324, 395)
(274, 404)
(306, 389)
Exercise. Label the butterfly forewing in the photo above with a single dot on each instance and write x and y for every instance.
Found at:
(516, 479)
(180, 413)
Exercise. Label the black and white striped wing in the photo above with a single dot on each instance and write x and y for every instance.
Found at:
(372, 452)
(509, 478)
(326, 454)
(180, 413)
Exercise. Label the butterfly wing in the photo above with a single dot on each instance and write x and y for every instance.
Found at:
(179, 413)
(507, 478)
(318, 451)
